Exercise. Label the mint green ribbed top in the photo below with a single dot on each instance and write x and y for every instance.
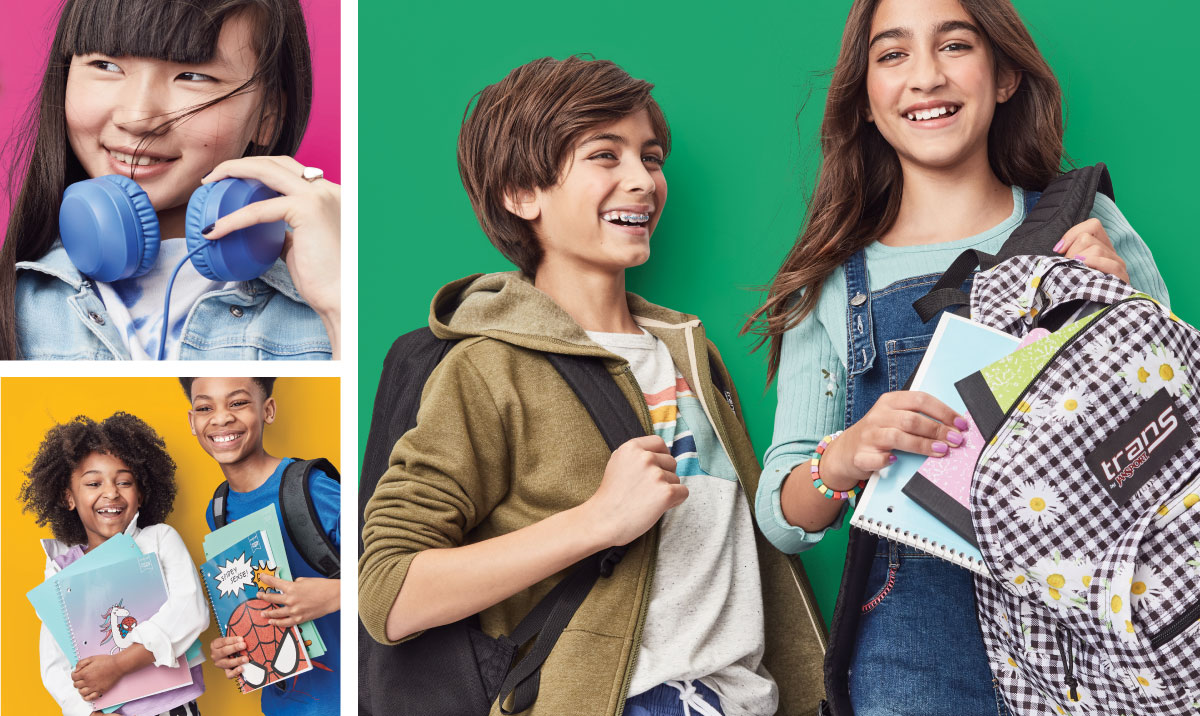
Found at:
(812, 373)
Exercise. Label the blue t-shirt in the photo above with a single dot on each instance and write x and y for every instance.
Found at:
(315, 692)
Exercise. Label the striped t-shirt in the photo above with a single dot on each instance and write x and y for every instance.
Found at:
(705, 618)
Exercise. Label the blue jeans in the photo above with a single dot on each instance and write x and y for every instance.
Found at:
(663, 700)
(918, 650)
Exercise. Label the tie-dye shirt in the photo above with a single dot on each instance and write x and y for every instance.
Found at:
(135, 305)
(705, 618)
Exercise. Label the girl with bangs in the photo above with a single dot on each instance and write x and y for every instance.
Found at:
(942, 121)
(173, 94)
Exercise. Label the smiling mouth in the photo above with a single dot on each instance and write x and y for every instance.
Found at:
(137, 161)
(625, 218)
(225, 439)
(110, 511)
(922, 115)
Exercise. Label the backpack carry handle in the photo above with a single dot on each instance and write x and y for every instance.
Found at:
(1065, 202)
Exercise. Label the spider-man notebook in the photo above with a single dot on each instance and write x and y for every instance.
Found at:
(232, 578)
(266, 520)
(103, 606)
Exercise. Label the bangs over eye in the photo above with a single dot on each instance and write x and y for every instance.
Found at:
(184, 32)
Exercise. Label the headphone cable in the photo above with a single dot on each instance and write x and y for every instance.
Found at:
(162, 345)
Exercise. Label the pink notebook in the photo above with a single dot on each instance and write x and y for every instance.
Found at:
(942, 485)
(103, 605)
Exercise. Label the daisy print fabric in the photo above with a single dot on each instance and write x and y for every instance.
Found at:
(1086, 586)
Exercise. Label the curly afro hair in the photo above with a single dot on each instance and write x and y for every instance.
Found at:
(65, 446)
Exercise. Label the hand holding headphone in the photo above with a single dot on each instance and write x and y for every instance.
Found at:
(110, 231)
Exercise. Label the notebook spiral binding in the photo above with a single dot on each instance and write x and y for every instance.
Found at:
(62, 600)
(921, 543)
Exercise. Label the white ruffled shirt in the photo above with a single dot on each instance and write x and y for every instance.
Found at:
(167, 635)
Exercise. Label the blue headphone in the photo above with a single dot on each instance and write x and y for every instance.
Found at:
(110, 232)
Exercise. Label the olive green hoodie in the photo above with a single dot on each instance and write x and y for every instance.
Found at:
(502, 442)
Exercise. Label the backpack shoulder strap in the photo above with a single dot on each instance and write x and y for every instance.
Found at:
(1066, 201)
(406, 368)
(600, 395)
(618, 423)
(220, 495)
(300, 518)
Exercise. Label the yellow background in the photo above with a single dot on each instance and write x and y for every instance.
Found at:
(306, 425)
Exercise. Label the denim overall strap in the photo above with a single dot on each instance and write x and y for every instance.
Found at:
(886, 340)
(860, 346)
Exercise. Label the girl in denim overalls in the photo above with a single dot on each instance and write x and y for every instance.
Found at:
(171, 94)
(940, 116)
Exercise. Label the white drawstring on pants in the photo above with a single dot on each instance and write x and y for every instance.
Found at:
(692, 700)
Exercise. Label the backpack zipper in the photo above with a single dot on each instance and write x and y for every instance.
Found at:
(1176, 627)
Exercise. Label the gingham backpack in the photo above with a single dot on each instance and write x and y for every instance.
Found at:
(1082, 499)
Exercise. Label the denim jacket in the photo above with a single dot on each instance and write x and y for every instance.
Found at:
(60, 317)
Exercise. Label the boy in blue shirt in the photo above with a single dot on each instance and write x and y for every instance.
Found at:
(228, 417)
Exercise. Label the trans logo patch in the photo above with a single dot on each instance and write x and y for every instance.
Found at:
(1133, 454)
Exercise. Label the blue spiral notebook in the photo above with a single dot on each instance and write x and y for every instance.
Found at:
(959, 347)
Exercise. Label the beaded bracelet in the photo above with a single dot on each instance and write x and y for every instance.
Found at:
(816, 475)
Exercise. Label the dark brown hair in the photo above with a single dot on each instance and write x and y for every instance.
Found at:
(858, 192)
(183, 31)
(125, 437)
(522, 130)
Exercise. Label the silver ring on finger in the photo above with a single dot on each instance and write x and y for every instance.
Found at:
(312, 174)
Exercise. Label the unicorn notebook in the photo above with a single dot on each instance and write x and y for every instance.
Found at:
(233, 578)
(102, 607)
(47, 603)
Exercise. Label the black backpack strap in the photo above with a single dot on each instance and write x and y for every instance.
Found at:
(718, 381)
(406, 368)
(219, 499)
(1066, 202)
(300, 518)
(617, 422)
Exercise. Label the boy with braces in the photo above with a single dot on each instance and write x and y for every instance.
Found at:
(563, 163)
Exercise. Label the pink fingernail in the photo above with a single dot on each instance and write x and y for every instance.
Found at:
(961, 423)
(891, 459)
(954, 438)
(1059, 246)
(940, 447)
(1079, 257)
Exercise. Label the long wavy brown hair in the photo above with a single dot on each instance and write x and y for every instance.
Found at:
(857, 196)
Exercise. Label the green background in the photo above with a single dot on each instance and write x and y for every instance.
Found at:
(743, 87)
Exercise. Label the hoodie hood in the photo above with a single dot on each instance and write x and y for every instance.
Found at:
(507, 307)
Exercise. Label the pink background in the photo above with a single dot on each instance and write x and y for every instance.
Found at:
(28, 28)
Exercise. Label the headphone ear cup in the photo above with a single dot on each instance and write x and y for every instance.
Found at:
(192, 227)
(244, 254)
(109, 228)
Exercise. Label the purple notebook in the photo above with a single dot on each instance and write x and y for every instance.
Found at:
(103, 606)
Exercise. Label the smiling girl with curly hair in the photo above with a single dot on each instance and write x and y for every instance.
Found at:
(91, 481)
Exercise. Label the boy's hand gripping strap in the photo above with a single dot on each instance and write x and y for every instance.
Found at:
(617, 422)
(1065, 202)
